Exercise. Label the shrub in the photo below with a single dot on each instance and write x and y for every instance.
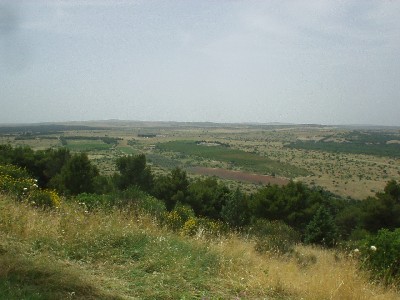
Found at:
(93, 201)
(322, 229)
(274, 237)
(210, 227)
(380, 255)
(151, 205)
(190, 227)
(16, 182)
(44, 198)
(14, 172)
(176, 218)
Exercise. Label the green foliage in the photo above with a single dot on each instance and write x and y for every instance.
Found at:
(176, 218)
(151, 205)
(236, 210)
(383, 210)
(207, 197)
(171, 188)
(274, 237)
(44, 198)
(13, 171)
(380, 255)
(43, 165)
(94, 201)
(182, 219)
(349, 220)
(77, 176)
(322, 229)
(294, 204)
(17, 182)
(133, 171)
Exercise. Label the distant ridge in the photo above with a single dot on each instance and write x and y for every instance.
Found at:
(102, 124)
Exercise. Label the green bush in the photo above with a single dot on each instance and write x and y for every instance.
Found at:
(176, 218)
(44, 198)
(151, 205)
(274, 237)
(380, 254)
(94, 201)
(322, 229)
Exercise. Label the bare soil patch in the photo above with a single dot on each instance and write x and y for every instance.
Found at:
(239, 175)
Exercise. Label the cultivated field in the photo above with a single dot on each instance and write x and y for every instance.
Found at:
(354, 162)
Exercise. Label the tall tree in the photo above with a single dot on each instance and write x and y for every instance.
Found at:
(78, 175)
(171, 188)
(133, 171)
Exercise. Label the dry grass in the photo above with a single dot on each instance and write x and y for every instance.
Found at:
(124, 255)
(312, 273)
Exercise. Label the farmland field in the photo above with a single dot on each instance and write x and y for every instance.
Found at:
(354, 162)
(236, 158)
(240, 176)
(87, 145)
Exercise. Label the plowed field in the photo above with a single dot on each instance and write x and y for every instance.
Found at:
(239, 175)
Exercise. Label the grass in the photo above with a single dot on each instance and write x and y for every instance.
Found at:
(70, 254)
(128, 150)
(239, 158)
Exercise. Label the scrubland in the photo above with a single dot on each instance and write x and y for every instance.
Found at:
(70, 253)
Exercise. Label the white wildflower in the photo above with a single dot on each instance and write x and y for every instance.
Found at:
(373, 248)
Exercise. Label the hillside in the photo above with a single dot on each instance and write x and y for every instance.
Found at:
(70, 253)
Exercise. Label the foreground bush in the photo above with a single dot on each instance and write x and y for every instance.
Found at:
(380, 254)
(16, 182)
(274, 237)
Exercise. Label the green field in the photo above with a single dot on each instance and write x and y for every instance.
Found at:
(237, 158)
(127, 150)
(87, 145)
(389, 150)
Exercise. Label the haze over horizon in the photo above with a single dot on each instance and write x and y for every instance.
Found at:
(321, 62)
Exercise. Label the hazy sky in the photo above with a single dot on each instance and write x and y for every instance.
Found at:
(327, 62)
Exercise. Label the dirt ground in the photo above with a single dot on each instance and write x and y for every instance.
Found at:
(239, 175)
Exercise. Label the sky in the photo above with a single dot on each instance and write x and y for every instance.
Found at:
(322, 62)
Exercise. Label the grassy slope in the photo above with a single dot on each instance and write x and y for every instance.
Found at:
(70, 254)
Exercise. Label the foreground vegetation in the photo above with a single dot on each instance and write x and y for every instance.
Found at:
(70, 253)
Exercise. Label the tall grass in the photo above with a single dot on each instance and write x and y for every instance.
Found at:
(67, 253)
